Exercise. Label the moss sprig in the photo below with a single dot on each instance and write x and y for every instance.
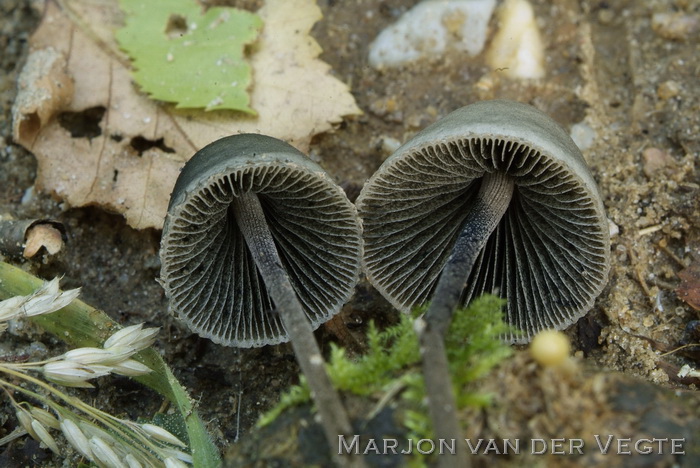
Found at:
(474, 347)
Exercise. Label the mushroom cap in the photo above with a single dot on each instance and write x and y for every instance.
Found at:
(207, 270)
(549, 255)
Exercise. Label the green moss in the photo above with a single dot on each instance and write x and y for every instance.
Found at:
(474, 346)
(296, 395)
(389, 354)
(391, 363)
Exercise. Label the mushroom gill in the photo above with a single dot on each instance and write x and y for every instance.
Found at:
(208, 270)
(548, 255)
(260, 246)
(496, 198)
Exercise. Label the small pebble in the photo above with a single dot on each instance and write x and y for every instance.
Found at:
(387, 108)
(429, 29)
(487, 84)
(653, 160)
(414, 120)
(583, 135)
(389, 145)
(675, 26)
(517, 49)
(383, 106)
(668, 89)
(605, 16)
(28, 196)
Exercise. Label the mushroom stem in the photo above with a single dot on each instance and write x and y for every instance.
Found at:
(491, 203)
(253, 225)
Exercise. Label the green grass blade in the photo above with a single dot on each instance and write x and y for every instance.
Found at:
(80, 325)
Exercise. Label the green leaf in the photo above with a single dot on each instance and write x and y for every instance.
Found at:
(187, 56)
(79, 324)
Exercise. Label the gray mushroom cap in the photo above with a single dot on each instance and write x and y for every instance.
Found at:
(207, 270)
(549, 254)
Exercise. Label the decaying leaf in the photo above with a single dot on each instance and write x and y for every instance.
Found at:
(44, 87)
(192, 59)
(112, 146)
(689, 289)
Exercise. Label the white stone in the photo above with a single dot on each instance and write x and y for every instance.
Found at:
(583, 135)
(430, 28)
(517, 49)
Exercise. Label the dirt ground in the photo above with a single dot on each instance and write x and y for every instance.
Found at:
(635, 82)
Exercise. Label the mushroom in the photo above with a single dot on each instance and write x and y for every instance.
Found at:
(260, 246)
(497, 198)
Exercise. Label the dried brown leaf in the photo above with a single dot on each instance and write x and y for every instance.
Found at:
(44, 87)
(689, 289)
(103, 142)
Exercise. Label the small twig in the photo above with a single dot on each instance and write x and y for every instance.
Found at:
(675, 350)
(394, 390)
(638, 275)
(238, 416)
(662, 245)
(642, 281)
(649, 230)
(663, 284)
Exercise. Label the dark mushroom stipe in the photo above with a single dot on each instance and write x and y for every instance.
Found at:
(251, 221)
(489, 207)
(260, 246)
(493, 198)
(491, 203)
